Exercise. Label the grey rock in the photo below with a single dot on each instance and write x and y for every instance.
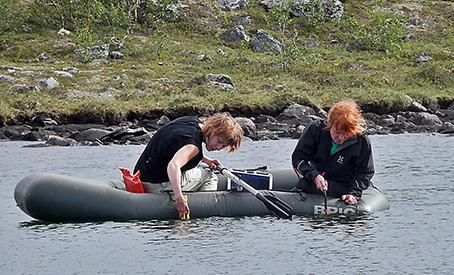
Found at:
(42, 57)
(237, 35)
(60, 141)
(415, 106)
(424, 57)
(100, 51)
(220, 78)
(326, 9)
(426, 119)
(299, 130)
(6, 78)
(223, 86)
(49, 122)
(64, 74)
(296, 111)
(247, 125)
(71, 69)
(203, 58)
(385, 120)
(263, 42)
(63, 32)
(229, 5)
(163, 120)
(50, 83)
(447, 128)
(92, 134)
(116, 55)
(246, 20)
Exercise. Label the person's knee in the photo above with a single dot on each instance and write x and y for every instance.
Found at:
(307, 186)
(302, 184)
(199, 179)
(209, 180)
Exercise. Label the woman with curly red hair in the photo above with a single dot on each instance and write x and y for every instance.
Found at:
(335, 155)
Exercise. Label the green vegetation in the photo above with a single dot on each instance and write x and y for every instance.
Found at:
(370, 54)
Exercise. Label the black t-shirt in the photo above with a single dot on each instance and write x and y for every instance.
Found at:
(163, 146)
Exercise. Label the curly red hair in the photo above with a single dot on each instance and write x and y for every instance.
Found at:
(345, 116)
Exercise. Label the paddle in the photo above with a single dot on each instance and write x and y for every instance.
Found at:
(277, 207)
(324, 194)
(326, 204)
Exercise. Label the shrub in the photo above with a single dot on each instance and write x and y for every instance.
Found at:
(383, 31)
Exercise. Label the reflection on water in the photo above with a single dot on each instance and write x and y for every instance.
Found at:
(324, 221)
(415, 172)
(161, 232)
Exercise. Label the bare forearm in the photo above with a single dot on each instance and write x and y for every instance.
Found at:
(174, 173)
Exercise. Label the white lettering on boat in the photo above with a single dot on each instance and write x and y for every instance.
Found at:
(319, 209)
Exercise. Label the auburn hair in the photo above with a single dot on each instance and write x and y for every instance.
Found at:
(345, 116)
(225, 126)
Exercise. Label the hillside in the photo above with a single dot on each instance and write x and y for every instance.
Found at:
(133, 59)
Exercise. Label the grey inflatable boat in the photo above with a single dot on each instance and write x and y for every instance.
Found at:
(51, 197)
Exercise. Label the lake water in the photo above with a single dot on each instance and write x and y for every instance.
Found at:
(415, 236)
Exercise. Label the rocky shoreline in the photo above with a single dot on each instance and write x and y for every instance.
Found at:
(288, 124)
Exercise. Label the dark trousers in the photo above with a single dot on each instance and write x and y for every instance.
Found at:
(335, 189)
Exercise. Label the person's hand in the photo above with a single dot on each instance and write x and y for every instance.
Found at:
(350, 199)
(321, 183)
(212, 162)
(182, 206)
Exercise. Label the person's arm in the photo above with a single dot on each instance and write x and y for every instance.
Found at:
(364, 173)
(304, 151)
(180, 158)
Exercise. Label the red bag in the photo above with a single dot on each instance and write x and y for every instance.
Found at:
(133, 183)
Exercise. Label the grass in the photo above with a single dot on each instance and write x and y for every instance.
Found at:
(375, 73)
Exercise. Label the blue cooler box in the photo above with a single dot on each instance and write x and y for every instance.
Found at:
(257, 179)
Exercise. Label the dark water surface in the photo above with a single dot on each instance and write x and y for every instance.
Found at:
(415, 171)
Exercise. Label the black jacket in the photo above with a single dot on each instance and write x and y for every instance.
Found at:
(351, 164)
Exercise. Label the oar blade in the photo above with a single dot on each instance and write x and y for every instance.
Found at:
(280, 203)
(276, 206)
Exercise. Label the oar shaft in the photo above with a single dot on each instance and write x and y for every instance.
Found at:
(276, 206)
(324, 196)
(237, 180)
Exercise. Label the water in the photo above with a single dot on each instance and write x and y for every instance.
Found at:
(415, 171)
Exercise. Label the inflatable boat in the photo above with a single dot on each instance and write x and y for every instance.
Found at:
(52, 197)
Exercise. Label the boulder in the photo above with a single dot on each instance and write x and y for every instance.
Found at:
(229, 5)
(60, 141)
(237, 35)
(92, 134)
(263, 42)
(247, 125)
